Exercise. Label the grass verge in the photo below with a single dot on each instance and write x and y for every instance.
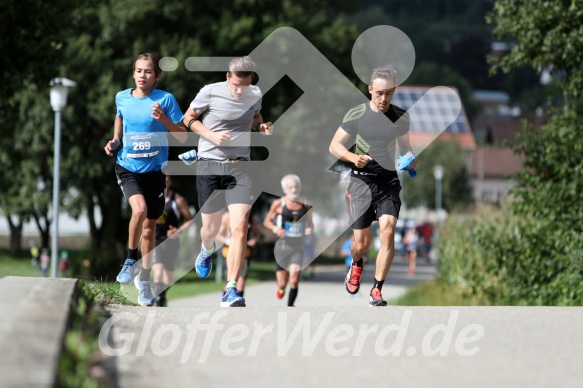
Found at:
(435, 293)
(81, 363)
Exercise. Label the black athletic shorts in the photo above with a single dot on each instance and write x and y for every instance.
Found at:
(366, 206)
(289, 251)
(236, 183)
(166, 253)
(149, 184)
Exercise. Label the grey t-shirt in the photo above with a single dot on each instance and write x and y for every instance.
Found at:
(221, 111)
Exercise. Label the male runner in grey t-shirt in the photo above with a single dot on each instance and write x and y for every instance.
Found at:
(229, 111)
(225, 114)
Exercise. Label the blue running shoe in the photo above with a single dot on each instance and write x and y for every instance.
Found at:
(204, 263)
(232, 298)
(145, 298)
(128, 272)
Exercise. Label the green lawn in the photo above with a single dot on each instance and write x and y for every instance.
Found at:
(430, 293)
(10, 266)
(191, 284)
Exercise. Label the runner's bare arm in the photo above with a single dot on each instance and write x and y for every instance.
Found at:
(405, 147)
(260, 126)
(116, 140)
(268, 222)
(183, 207)
(196, 126)
(177, 130)
(339, 150)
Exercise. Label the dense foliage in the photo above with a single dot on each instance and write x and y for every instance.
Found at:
(532, 251)
(490, 256)
(93, 44)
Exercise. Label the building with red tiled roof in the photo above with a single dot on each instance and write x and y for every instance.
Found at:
(491, 170)
(494, 163)
(495, 130)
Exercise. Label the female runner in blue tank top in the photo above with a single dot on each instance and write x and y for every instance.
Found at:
(144, 116)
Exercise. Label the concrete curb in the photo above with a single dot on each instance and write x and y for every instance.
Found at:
(33, 324)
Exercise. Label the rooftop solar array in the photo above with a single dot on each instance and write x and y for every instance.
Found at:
(430, 109)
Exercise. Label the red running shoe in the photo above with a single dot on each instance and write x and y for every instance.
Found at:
(376, 299)
(280, 293)
(353, 279)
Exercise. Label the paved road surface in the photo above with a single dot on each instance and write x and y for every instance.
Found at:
(348, 346)
(325, 289)
(334, 344)
(334, 340)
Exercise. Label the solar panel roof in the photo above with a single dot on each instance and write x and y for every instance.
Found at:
(430, 109)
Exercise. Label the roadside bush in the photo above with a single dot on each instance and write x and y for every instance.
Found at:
(489, 256)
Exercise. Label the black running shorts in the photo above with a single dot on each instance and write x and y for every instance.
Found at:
(149, 184)
(369, 199)
(236, 184)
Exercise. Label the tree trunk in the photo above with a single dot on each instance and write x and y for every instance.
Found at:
(108, 240)
(43, 229)
(15, 236)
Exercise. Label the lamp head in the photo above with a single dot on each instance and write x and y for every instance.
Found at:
(438, 172)
(59, 87)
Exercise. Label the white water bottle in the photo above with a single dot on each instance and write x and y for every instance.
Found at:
(188, 157)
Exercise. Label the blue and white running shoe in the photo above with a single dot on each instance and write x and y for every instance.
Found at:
(128, 272)
(204, 263)
(145, 298)
(232, 298)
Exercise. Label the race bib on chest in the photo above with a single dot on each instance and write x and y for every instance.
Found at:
(294, 230)
(143, 145)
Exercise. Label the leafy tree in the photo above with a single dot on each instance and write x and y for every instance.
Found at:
(549, 192)
(434, 26)
(105, 37)
(32, 43)
(455, 34)
(456, 188)
(33, 149)
(548, 36)
(31, 38)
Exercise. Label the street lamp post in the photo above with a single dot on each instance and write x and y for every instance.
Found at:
(438, 175)
(58, 102)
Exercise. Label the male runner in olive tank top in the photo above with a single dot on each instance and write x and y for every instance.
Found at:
(375, 128)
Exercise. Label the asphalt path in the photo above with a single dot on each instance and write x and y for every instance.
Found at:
(326, 288)
(331, 339)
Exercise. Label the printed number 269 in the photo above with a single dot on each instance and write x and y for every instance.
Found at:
(142, 145)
